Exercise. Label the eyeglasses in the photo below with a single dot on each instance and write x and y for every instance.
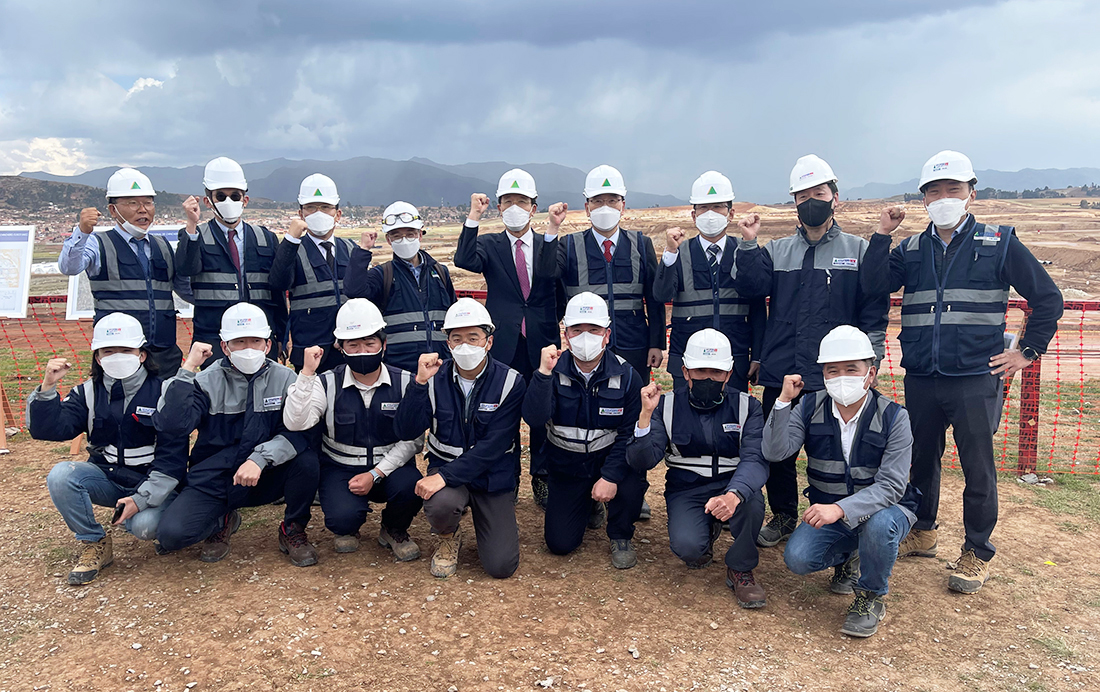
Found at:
(403, 217)
(403, 233)
(236, 196)
(136, 203)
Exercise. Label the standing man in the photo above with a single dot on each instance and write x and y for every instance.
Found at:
(812, 277)
(957, 274)
(412, 289)
(701, 283)
(228, 260)
(129, 271)
(314, 271)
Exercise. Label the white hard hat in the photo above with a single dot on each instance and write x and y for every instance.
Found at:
(358, 318)
(224, 174)
(117, 329)
(517, 182)
(398, 208)
(467, 312)
(708, 348)
(586, 308)
(318, 188)
(845, 343)
(604, 180)
(710, 187)
(129, 182)
(244, 319)
(947, 165)
(810, 171)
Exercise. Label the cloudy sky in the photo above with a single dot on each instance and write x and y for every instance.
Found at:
(662, 90)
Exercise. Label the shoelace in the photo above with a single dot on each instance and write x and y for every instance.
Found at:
(447, 548)
(296, 539)
(223, 535)
(969, 564)
(398, 536)
(862, 604)
(745, 579)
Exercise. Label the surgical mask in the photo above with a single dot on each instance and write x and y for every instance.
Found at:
(120, 365)
(711, 223)
(846, 389)
(320, 223)
(946, 212)
(586, 346)
(706, 394)
(814, 212)
(364, 363)
(605, 218)
(229, 210)
(468, 356)
(248, 360)
(516, 218)
(130, 228)
(406, 248)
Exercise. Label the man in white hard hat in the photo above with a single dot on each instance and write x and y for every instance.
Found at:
(858, 448)
(470, 406)
(519, 268)
(709, 437)
(130, 466)
(312, 263)
(956, 277)
(812, 279)
(126, 254)
(228, 260)
(362, 458)
(700, 283)
(412, 289)
(244, 456)
(587, 401)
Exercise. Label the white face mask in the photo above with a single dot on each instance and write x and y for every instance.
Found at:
(946, 212)
(846, 389)
(229, 210)
(586, 346)
(516, 218)
(605, 218)
(711, 223)
(248, 360)
(320, 223)
(406, 248)
(468, 356)
(120, 365)
(130, 228)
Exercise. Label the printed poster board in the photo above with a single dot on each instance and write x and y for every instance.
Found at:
(16, 255)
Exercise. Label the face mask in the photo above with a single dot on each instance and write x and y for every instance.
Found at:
(229, 210)
(364, 363)
(248, 360)
(706, 394)
(946, 212)
(846, 389)
(814, 212)
(320, 223)
(468, 356)
(120, 365)
(406, 248)
(516, 218)
(130, 228)
(586, 346)
(605, 218)
(711, 223)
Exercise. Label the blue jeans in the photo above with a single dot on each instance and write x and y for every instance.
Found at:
(812, 550)
(77, 485)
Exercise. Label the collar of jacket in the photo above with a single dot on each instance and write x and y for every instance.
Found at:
(608, 367)
(964, 228)
(833, 232)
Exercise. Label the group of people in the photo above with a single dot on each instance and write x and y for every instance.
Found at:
(390, 364)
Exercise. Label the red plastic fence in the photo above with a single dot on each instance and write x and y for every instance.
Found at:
(1050, 422)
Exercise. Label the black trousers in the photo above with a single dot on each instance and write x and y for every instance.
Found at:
(168, 359)
(689, 525)
(521, 363)
(345, 512)
(638, 359)
(971, 405)
(569, 503)
(782, 482)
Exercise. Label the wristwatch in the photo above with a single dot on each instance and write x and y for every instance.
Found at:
(377, 475)
(1030, 353)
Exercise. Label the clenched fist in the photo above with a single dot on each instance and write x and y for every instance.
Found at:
(792, 387)
(87, 220)
(550, 356)
(750, 226)
(311, 359)
(192, 211)
(296, 228)
(478, 204)
(651, 396)
(673, 237)
(427, 367)
(367, 238)
(890, 219)
(557, 216)
(197, 356)
(248, 474)
(55, 370)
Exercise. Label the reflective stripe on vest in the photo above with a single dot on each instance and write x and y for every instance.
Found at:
(582, 440)
(315, 293)
(345, 453)
(704, 466)
(628, 296)
(226, 279)
(862, 476)
(700, 303)
(448, 452)
(131, 456)
(102, 289)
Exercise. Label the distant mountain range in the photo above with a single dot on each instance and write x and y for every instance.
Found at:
(1027, 179)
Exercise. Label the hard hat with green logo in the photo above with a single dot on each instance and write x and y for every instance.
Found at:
(604, 180)
(318, 188)
(710, 187)
(517, 182)
(129, 182)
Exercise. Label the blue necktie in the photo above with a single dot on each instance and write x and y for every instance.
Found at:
(139, 250)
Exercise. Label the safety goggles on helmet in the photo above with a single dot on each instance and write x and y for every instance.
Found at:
(403, 217)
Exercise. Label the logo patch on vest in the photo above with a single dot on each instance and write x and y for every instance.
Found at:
(273, 401)
(846, 262)
(988, 237)
(390, 405)
(145, 410)
(487, 407)
(606, 411)
(731, 427)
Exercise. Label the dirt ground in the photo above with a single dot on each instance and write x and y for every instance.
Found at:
(360, 621)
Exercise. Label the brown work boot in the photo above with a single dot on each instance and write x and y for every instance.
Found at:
(216, 547)
(971, 572)
(294, 542)
(919, 544)
(749, 594)
(403, 546)
(95, 557)
(347, 544)
(445, 559)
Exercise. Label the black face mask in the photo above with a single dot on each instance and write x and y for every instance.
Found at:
(364, 363)
(814, 212)
(706, 394)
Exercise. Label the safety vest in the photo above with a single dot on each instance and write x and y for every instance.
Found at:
(414, 312)
(122, 286)
(586, 416)
(702, 302)
(353, 434)
(317, 293)
(623, 292)
(218, 284)
(130, 441)
(687, 447)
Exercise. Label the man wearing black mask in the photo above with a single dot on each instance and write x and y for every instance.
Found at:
(812, 277)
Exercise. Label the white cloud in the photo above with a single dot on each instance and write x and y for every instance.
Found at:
(52, 155)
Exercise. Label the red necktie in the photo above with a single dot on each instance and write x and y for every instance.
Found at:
(524, 280)
(607, 250)
(233, 253)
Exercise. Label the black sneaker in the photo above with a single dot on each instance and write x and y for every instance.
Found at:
(778, 529)
(540, 490)
(846, 575)
(864, 615)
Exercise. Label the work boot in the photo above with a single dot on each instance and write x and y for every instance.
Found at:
(779, 528)
(864, 615)
(708, 557)
(597, 515)
(347, 544)
(748, 593)
(540, 490)
(845, 575)
(622, 553)
(404, 548)
(295, 543)
(919, 544)
(216, 547)
(971, 572)
(445, 559)
(646, 513)
(95, 557)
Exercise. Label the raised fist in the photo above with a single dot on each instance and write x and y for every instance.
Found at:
(297, 228)
(89, 216)
(651, 396)
(367, 238)
(55, 370)
(478, 204)
(311, 359)
(427, 367)
(192, 211)
(792, 387)
(550, 356)
(673, 237)
(749, 225)
(197, 356)
(890, 219)
(557, 215)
